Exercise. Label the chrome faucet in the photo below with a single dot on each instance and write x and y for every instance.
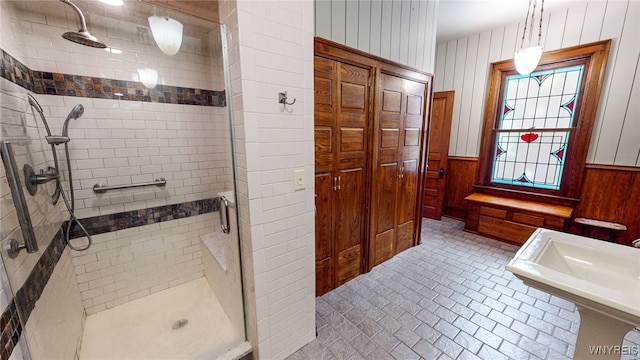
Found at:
(636, 243)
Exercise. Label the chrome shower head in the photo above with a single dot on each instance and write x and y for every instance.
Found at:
(75, 113)
(82, 36)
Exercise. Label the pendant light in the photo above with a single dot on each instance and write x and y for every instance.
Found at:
(526, 59)
(167, 33)
(148, 77)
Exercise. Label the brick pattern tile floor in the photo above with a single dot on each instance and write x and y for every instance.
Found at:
(448, 298)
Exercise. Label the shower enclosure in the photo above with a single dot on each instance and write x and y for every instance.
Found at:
(161, 277)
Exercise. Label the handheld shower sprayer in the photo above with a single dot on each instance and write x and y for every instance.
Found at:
(33, 179)
(75, 114)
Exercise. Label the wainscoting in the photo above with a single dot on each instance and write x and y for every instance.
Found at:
(609, 193)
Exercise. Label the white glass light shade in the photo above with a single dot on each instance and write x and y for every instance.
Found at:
(167, 33)
(526, 59)
(148, 77)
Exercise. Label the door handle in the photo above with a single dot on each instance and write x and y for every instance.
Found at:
(335, 183)
(224, 215)
(441, 173)
(338, 182)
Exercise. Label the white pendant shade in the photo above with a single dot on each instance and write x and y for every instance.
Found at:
(167, 33)
(526, 59)
(148, 77)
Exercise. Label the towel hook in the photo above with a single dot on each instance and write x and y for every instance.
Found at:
(282, 99)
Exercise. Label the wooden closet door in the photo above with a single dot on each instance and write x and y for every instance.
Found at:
(397, 165)
(342, 98)
(324, 95)
(351, 121)
(410, 144)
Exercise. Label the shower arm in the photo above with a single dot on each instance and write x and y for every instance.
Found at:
(83, 23)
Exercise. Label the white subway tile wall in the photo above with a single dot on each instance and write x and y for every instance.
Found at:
(271, 50)
(124, 265)
(56, 324)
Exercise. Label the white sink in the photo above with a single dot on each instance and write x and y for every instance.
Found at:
(601, 278)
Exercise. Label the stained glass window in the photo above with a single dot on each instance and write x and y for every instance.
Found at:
(532, 134)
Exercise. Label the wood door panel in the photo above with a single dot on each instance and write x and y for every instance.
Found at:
(440, 130)
(324, 276)
(322, 92)
(351, 210)
(324, 212)
(348, 265)
(405, 236)
(353, 96)
(351, 139)
(385, 197)
(414, 104)
(408, 191)
(411, 137)
(322, 139)
(391, 101)
(383, 246)
(389, 138)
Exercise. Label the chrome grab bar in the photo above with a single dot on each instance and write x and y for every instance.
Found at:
(20, 202)
(103, 188)
(224, 216)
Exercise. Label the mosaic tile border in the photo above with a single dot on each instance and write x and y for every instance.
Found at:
(24, 301)
(128, 219)
(11, 330)
(50, 83)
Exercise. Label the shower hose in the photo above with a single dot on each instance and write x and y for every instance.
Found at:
(69, 204)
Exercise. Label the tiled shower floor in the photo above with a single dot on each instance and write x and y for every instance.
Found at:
(448, 298)
(144, 328)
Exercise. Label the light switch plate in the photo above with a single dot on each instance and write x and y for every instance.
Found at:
(298, 179)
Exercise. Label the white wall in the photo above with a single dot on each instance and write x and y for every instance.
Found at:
(121, 266)
(119, 142)
(55, 327)
(399, 30)
(271, 50)
(462, 66)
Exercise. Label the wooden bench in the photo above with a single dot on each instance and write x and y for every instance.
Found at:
(512, 220)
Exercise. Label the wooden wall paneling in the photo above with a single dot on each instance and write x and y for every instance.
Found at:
(376, 27)
(611, 29)
(464, 122)
(615, 109)
(351, 26)
(413, 33)
(430, 41)
(441, 63)
(628, 152)
(450, 66)
(611, 194)
(387, 13)
(396, 38)
(593, 20)
(477, 99)
(323, 11)
(338, 20)
(573, 25)
(495, 46)
(459, 184)
(207, 10)
(459, 87)
(421, 31)
(405, 22)
(555, 30)
(512, 38)
(364, 24)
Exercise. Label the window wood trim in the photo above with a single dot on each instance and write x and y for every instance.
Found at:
(594, 56)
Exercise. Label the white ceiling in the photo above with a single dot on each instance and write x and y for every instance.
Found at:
(459, 18)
